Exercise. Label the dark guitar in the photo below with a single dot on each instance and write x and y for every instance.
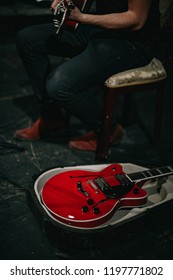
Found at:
(62, 11)
(86, 199)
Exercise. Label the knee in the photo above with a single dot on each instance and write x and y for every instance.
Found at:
(23, 37)
(55, 86)
(58, 88)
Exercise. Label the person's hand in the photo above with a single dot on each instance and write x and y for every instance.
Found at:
(54, 4)
(75, 14)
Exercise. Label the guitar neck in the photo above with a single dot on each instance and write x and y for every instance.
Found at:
(150, 174)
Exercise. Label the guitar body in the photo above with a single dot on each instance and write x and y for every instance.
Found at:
(86, 199)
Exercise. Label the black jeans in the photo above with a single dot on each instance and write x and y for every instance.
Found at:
(92, 60)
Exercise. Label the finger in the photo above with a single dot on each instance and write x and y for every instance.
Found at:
(54, 4)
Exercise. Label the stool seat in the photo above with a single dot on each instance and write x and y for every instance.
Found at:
(153, 72)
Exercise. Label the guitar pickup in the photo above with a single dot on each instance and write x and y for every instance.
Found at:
(94, 186)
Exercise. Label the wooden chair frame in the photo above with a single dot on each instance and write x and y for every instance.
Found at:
(110, 98)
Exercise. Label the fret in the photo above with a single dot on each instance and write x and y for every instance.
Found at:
(164, 169)
(159, 172)
(155, 172)
(170, 168)
(136, 176)
(148, 173)
(152, 173)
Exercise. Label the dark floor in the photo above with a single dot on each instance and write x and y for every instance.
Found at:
(22, 237)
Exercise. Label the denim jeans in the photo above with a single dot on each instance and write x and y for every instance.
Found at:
(70, 85)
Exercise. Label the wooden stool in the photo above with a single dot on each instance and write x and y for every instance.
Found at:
(149, 77)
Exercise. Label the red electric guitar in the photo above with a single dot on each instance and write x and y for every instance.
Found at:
(87, 199)
(62, 11)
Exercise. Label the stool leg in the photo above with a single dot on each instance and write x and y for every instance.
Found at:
(127, 104)
(103, 139)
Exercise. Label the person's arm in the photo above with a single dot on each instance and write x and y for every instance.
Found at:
(133, 19)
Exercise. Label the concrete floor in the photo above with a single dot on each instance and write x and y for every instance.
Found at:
(22, 237)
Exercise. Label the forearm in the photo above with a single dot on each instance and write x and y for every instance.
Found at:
(132, 19)
(126, 20)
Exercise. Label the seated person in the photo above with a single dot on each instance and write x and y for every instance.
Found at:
(119, 35)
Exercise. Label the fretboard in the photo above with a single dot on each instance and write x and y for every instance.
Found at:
(151, 173)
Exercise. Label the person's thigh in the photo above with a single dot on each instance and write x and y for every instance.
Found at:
(100, 59)
(42, 38)
(34, 36)
(113, 56)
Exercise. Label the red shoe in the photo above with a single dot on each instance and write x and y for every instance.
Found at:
(40, 129)
(88, 141)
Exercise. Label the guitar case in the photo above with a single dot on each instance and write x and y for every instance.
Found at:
(159, 205)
